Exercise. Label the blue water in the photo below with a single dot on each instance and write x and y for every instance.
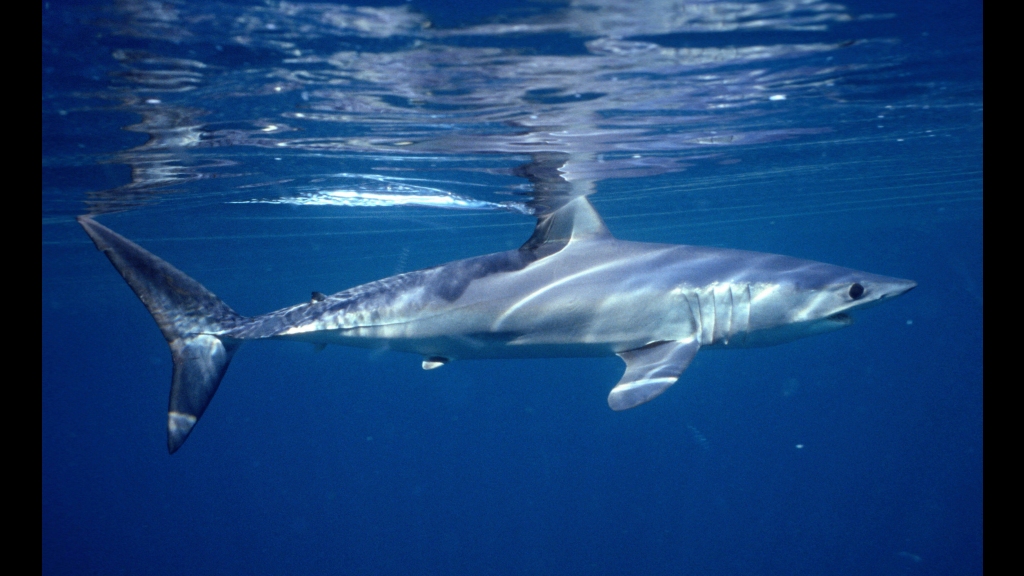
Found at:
(272, 149)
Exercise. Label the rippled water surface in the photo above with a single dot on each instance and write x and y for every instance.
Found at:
(270, 149)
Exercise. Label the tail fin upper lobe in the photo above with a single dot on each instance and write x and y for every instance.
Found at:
(190, 317)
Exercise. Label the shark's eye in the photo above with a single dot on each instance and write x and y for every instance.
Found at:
(856, 291)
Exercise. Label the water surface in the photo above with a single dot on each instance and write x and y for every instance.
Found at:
(270, 149)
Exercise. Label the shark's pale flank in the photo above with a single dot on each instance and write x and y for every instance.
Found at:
(571, 290)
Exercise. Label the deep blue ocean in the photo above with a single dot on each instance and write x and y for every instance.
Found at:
(271, 149)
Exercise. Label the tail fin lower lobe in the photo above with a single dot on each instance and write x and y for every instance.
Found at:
(190, 317)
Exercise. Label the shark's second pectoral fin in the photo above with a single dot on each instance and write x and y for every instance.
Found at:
(650, 370)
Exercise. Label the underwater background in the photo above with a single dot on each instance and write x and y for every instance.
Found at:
(271, 149)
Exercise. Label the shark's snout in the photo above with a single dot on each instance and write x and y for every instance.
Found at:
(899, 287)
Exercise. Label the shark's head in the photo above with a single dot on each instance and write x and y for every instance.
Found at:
(812, 298)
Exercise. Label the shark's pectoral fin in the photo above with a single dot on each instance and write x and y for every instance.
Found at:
(650, 370)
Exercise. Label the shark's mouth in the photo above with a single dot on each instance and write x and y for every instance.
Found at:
(841, 318)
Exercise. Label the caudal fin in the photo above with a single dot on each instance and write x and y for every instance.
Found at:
(190, 317)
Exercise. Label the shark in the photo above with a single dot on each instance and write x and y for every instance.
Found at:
(571, 290)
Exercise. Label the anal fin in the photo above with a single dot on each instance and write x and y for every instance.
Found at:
(650, 370)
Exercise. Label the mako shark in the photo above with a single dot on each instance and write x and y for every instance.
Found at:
(571, 290)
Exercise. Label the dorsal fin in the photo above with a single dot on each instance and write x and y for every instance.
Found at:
(574, 221)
